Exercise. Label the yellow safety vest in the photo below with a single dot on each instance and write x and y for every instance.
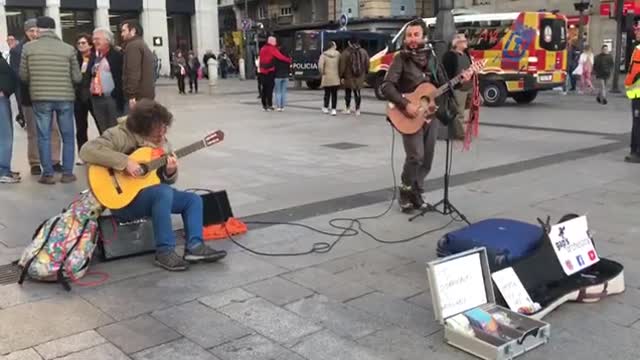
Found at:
(632, 81)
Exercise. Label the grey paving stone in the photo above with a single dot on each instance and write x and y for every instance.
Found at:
(398, 312)
(374, 258)
(254, 347)
(226, 297)
(386, 282)
(100, 352)
(423, 300)
(70, 314)
(400, 344)
(278, 290)
(270, 320)
(182, 349)
(132, 297)
(70, 344)
(201, 324)
(14, 294)
(138, 333)
(327, 284)
(27, 354)
(326, 345)
(344, 320)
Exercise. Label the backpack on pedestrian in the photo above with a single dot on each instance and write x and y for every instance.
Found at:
(357, 62)
(62, 246)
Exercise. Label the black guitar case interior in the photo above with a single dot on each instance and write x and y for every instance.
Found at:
(544, 279)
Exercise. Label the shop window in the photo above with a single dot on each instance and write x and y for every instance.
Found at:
(74, 22)
(286, 11)
(16, 18)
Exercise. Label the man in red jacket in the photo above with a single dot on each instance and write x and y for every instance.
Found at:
(267, 71)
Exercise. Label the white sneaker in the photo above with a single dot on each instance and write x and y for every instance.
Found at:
(279, 109)
(325, 110)
(346, 111)
(357, 112)
(334, 112)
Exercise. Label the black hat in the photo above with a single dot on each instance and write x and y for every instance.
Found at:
(45, 22)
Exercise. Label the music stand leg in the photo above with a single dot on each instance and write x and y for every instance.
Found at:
(447, 207)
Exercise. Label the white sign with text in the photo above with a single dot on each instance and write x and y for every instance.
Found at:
(573, 245)
(460, 285)
(512, 289)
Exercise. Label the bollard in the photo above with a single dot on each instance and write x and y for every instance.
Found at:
(212, 65)
(242, 69)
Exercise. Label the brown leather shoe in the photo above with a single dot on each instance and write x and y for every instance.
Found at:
(47, 180)
(68, 178)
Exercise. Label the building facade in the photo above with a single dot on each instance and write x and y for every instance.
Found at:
(168, 24)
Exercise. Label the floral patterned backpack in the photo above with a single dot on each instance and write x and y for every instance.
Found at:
(63, 245)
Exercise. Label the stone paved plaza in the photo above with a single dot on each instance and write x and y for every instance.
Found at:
(364, 299)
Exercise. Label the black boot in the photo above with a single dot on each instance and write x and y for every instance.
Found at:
(405, 198)
(417, 200)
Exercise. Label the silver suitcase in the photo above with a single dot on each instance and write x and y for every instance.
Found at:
(461, 285)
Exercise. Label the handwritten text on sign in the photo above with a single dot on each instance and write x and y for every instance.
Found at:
(460, 285)
(511, 289)
(573, 245)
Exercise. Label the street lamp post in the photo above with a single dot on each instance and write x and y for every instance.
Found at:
(445, 27)
(618, 54)
(581, 6)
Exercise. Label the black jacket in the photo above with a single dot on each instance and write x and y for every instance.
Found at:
(115, 59)
(603, 66)
(22, 91)
(83, 92)
(282, 68)
(452, 66)
(8, 78)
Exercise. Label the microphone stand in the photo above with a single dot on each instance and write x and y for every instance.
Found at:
(447, 207)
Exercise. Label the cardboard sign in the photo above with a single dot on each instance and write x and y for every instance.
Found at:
(573, 245)
(460, 285)
(512, 289)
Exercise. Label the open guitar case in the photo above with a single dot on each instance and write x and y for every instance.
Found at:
(546, 282)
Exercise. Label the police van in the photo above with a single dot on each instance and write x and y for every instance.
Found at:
(309, 45)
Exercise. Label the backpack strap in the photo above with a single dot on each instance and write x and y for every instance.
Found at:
(25, 269)
(60, 276)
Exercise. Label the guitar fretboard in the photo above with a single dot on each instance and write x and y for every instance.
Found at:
(182, 152)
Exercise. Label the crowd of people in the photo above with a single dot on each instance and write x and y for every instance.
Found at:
(57, 86)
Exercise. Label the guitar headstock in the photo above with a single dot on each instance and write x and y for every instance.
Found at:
(478, 65)
(213, 138)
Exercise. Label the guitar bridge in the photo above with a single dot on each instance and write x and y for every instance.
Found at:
(115, 182)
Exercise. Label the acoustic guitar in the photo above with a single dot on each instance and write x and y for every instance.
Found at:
(116, 189)
(425, 96)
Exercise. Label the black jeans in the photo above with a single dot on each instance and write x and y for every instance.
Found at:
(268, 83)
(81, 112)
(331, 92)
(419, 149)
(635, 128)
(180, 84)
(193, 82)
(356, 94)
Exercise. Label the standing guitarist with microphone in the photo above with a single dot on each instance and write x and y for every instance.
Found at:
(413, 66)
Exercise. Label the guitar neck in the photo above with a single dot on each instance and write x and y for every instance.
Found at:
(449, 84)
(182, 152)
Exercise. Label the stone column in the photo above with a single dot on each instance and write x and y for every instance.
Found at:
(53, 11)
(154, 22)
(445, 27)
(101, 16)
(3, 22)
(206, 33)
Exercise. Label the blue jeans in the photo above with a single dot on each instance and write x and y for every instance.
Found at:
(6, 136)
(159, 202)
(43, 112)
(281, 92)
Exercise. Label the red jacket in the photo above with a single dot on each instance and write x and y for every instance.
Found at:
(267, 53)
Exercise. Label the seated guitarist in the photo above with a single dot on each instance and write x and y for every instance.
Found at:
(411, 67)
(146, 125)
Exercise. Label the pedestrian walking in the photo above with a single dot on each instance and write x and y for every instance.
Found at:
(51, 69)
(602, 68)
(282, 80)
(354, 66)
(181, 71)
(329, 67)
(585, 70)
